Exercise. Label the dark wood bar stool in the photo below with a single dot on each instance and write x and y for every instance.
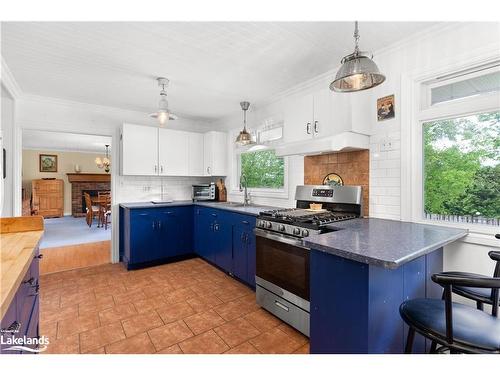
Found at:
(481, 296)
(457, 327)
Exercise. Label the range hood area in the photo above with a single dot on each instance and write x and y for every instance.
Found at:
(345, 141)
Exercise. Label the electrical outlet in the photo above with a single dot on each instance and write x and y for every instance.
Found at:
(386, 145)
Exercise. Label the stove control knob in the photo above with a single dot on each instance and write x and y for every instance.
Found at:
(269, 225)
(305, 233)
(296, 231)
(262, 223)
(281, 228)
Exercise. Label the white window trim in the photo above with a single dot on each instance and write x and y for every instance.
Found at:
(412, 116)
(258, 192)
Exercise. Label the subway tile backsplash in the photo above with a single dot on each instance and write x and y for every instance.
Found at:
(144, 188)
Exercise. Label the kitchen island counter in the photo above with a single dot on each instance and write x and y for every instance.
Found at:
(381, 242)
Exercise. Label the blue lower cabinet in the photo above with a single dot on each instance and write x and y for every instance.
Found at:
(175, 231)
(155, 235)
(223, 238)
(22, 316)
(202, 233)
(244, 248)
(222, 241)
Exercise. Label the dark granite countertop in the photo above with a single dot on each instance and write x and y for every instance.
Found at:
(252, 210)
(385, 243)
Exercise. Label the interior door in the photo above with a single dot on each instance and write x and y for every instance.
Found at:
(298, 117)
(139, 152)
(173, 152)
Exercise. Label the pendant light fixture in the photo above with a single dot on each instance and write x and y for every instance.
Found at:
(104, 162)
(163, 114)
(358, 71)
(244, 138)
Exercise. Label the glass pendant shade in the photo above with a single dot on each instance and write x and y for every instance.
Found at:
(244, 137)
(358, 71)
(163, 115)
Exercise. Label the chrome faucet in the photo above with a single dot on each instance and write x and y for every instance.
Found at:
(244, 184)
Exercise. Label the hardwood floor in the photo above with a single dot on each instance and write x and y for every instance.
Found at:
(64, 258)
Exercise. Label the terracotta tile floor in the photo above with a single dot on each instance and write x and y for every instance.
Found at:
(183, 307)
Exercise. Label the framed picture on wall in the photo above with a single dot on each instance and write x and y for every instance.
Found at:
(48, 163)
(385, 108)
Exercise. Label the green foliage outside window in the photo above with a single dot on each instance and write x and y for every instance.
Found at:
(263, 169)
(462, 166)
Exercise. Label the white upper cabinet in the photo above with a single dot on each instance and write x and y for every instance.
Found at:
(195, 155)
(215, 154)
(139, 150)
(173, 152)
(150, 151)
(319, 114)
(298, 118)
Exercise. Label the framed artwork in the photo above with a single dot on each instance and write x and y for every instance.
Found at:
(333, 179)
(385, 108)
(48, 163)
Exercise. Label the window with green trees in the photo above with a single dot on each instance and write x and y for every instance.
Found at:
(462, 168)
(263, 169)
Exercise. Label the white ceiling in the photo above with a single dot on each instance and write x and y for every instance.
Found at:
(57, 141)
(212, 65)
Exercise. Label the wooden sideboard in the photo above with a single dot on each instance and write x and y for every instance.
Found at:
(48, 197)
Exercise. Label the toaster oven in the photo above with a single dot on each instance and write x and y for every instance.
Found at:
(204, 192)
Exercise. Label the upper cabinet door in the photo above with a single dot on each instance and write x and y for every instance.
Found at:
(195, 157)
(215, 154)
(298, 116)
(139, 150)
(173, 152)
(323, 123)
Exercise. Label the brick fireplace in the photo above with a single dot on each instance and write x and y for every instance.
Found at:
(86, 182)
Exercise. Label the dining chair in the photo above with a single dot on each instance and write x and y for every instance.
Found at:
(106, 211)
(456, 327)
(92, 210)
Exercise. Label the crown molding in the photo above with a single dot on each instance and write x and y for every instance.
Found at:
(62, 149)
(9, 81)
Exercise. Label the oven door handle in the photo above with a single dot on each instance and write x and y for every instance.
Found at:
(280, 238)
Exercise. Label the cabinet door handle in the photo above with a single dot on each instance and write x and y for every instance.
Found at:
(161, 169)
(214, 215)
(39, 256)
(159, 224)
(308, 128)
(242, 237)
(316, 127)
(156, 169)
(208, 170)
(154, 225)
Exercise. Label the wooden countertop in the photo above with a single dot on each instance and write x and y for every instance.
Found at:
(19, 238)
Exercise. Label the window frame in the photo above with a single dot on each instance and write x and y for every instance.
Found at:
(415, 113)
(261, 192)
(236, 171)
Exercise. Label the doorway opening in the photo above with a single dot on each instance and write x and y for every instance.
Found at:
(66, 179)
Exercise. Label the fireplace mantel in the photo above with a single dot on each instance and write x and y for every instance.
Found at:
(88, 177)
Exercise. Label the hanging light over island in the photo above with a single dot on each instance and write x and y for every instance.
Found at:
(358, 71)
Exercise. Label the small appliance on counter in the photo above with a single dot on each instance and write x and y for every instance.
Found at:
(205, 192)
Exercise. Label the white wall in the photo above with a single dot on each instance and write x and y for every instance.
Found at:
(39, 113)
(428, 50)
(7, 131)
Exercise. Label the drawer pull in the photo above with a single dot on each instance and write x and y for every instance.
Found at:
(281, 306)
(30, 281)
(245, 222)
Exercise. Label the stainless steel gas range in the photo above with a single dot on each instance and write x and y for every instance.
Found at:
(282, 273)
